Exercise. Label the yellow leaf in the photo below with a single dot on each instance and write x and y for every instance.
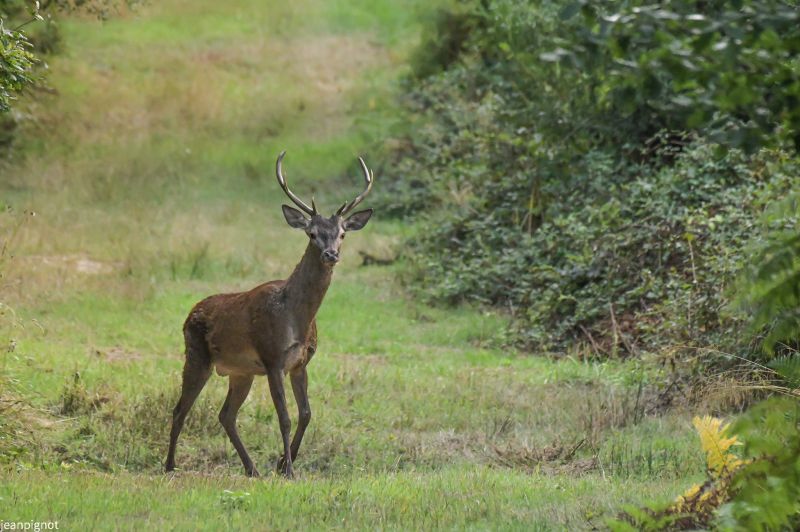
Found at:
(719, 459)
(691, 492)
(680, 502)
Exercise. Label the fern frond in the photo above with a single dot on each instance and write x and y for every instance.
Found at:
(682, 502)
(788, 369)
(719, 459)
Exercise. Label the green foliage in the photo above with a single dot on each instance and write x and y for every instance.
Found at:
(727, 68)
(648, 254)
(787, 368)
(768, 488)
(763, 491)
(445, 38)
(770, 287)
(16, 64)
(579, 176)
(234, 500)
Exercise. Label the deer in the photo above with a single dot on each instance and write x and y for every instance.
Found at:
(270, 330)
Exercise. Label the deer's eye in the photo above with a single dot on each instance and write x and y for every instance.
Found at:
(312, 235)
(341, 236)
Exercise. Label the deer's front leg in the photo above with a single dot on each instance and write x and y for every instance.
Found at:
(300, 389)
(275, 378)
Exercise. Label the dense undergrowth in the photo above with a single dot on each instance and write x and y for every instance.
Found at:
(598, 169)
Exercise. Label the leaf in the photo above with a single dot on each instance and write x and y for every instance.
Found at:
(569, 10)
(688, 494)
(719, 459)
(788, 368)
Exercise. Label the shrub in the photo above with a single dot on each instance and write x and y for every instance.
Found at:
(770, 286)
(728, 68)
(574, 173)
(643, 263)
(767, 490)
(16, 64)
(762, 490)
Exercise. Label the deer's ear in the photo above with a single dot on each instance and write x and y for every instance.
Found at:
(294, 217)
(357, 220)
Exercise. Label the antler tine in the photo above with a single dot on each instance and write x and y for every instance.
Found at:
(282, 182)
(369, 177)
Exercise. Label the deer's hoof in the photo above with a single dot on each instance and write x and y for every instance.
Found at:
(284, 468)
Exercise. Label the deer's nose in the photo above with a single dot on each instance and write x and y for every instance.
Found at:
(330, 256)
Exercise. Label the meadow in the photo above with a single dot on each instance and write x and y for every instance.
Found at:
(145, 183)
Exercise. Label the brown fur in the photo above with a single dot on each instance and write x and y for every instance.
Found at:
(269, 330)
(255, 321)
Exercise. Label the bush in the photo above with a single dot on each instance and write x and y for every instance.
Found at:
(573, 173)
(770, 286)
(16, 64)
(645, 260)
(727, 68)
(767, 489)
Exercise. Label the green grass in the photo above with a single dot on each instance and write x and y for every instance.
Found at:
(477, 498)
(151, 176)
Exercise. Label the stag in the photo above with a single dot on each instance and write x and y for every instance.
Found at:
(270, 330)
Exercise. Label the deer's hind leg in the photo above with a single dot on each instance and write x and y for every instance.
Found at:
(238, 389)
(196, 371)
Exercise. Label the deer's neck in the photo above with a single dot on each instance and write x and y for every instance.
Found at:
(305, 288)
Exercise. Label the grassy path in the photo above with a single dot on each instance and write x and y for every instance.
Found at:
(151, 176)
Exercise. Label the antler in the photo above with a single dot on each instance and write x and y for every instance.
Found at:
(311, 211)
(369, 178)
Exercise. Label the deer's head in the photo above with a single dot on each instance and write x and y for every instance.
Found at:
(326, 233)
